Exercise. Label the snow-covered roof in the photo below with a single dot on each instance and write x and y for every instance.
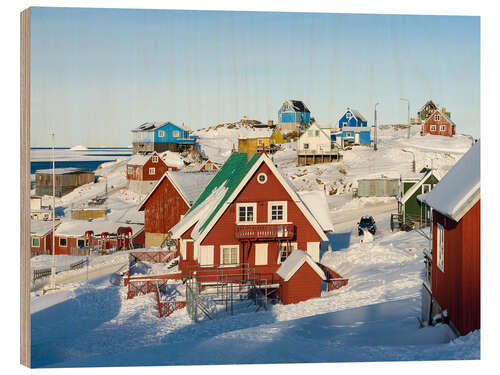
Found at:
(358, 115)
(79, 227)
(293, 263)
(316, 202)
(412, 176)
(190, 185)
(147, 126)
(297, 105)
(41, 227)
(132, 216)
(460, 188)
(419, 183)
(63, 170)
(138, 159)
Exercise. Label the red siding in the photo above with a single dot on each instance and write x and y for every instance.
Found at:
(426, 127)
(303, 285)
(140, 238)
(164, 208)
(223, 233)
(143, 175)
(457, 289)
(45, 244)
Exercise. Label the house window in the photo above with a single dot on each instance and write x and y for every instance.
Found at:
(81, 243)
(440, 246)
(285, 249)
(247, 212)
(63, 242)
(230, 254)
(130, 170)
(155, 159)
(426, 188)
(310, 133)
(176, 134)
(161, 133)
(306, 146)
(151, 171)
(437, 117)
(262, 178)
(433, 127)
(316, 133)
(348, 115)
(277, 211)
(442, 128)
(35, 242)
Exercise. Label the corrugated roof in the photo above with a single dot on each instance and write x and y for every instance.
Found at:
(358, 115)
(298, 105)
(191, 184)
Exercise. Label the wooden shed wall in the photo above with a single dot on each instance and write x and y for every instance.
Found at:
(303, 285)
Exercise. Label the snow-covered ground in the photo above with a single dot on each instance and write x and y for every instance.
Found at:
(373, 318)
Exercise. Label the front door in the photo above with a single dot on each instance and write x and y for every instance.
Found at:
(356, 138)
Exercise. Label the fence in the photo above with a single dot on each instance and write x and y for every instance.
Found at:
(78, 265)
(333, 279)
(160, 256)
(41, 273)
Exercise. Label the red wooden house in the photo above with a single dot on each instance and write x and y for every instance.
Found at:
(144, 171)
(41, 236)
(438, 123)
(453, 269)
(169, 200)
(209, 165)
(247, 215)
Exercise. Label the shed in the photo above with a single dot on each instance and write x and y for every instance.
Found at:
(302, 278)
(66, 180)
(455, 284)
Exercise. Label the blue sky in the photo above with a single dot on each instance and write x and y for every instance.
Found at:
(98, 73)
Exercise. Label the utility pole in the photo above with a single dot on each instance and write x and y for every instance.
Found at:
(375, 133)
(406, 100)
(53, 267)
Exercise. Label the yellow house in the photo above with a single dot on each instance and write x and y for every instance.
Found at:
(252, 145)
(277, 138)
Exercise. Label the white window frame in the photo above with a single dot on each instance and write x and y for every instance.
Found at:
(442, 128)
(63, 238)
(176, 134)
(344, 123)
(348, 115)
(154, 159)
(269, 211)
(306, 146)
(238, 205)
(437, 117)
(130, 170)
(35, 238)
(137, 172)
(221, 259)
(423, 190)
(433, 128)
(293, 246)
(262, 175)
(440, 247)
(161, 133)
(152, 171)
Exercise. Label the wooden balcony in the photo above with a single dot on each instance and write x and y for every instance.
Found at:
(264, 231)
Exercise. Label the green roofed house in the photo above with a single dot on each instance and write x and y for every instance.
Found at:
(249, 216)
(413, 213)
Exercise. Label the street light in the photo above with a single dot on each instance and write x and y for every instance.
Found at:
(406, 100)
(375, 135)
(413, 163)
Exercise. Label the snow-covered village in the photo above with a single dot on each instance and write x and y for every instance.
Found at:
(250, 188)
(328, 243)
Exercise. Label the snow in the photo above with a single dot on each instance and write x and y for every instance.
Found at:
(98, 226)
(459, 186)
(41, 227)
(316, 202)
(138, 160)
(79, 148)
(293, 263)
(372, 318)
(191, 184)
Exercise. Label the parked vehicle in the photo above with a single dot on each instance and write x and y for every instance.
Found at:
(368, 223)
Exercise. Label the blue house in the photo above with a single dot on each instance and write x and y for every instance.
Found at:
(353, 130)
(162, 136)
(352, 118)
(292, 115)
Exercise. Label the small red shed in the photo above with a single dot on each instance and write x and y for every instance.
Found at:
(453, 282)
(41, 236)
(302, 278)
(438, 123)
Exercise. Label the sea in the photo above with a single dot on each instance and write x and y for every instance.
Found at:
(88, 159)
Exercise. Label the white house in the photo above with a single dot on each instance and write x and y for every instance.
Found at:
(314, 140)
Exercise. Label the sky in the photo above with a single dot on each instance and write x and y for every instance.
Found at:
(98, 73)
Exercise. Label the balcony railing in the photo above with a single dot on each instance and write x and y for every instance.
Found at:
(264, 231)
